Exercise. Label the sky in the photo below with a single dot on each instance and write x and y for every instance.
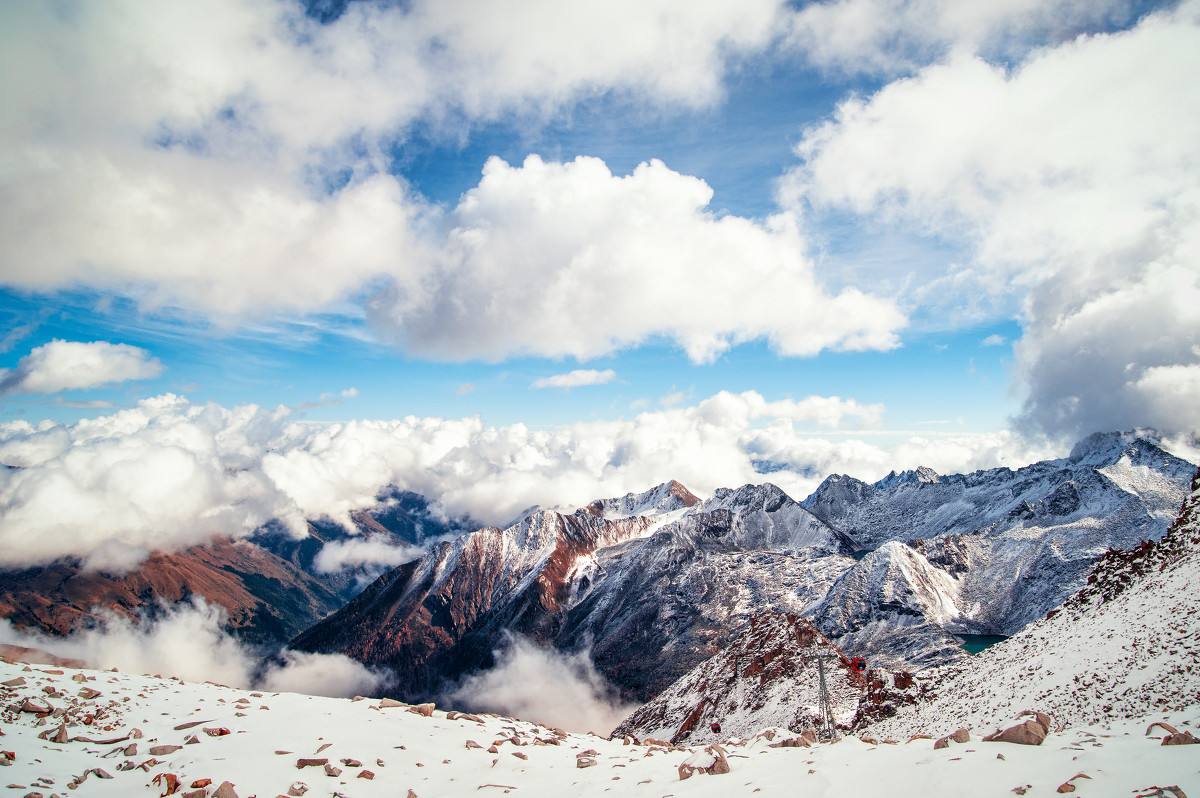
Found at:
(282, 255)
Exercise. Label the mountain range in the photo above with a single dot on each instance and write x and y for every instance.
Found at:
(892, 571)
(655, 584)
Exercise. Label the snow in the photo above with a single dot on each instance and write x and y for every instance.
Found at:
(430, 755)
(1127, 646)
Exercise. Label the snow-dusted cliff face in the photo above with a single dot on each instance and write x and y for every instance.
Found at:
(893, 608)
(1124, 646)
(651, 595)
(659, 606)
(987, 552)
(666, 498)
(766, 678)
(441, 615)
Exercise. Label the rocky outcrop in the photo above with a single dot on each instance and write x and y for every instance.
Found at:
(767, 678)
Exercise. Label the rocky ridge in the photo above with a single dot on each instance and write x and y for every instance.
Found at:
(766, 678)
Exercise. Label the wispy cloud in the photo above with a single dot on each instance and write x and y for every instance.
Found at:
(995, 339)
(576, 379)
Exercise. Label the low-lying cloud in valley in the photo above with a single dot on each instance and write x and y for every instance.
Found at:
(535, 683)
(188, 640)
(168, 474)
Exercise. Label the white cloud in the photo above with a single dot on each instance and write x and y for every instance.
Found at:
(1072, 178)
(349, 393)
(321, 674)
(71, 365)
(232, 158)
(564, 691)
(995, 339)
(168, 474)
(576, 379)
(568, 259)
(189, 641)
(340, 555)
(868, 36)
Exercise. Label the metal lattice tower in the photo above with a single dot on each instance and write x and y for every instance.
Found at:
(827, 728)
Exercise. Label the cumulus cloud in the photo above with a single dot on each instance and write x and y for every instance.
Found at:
(560, 690)
(71, 365)
(568, 259)
(321, 674)
(168, 474)
(994, 340)
(189, 641)
(1071, 179)
(167, 152)
(370, 551)
(576, 379)
(885, 36)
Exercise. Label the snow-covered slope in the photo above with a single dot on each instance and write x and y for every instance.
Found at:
(447, 755)
(1126, 645)
(766, 678)
(893, 608)
(997, 548)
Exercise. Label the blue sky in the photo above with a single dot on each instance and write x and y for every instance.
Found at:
(740, 146)
(741, 141)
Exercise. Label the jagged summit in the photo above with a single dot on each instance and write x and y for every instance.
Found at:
(665, 498)
(1106, 448)
(765, 678)
(921, 475)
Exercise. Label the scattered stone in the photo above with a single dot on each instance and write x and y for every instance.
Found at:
(216, 731)
(1180, 738)
(1030, 732)
(163, 750)
(297, 789)
(168, 781)
(87, 693)
(584, 762)
(1167, 727)
(390, 703)
(332, 772)
(961, 736)
(226, 790)
(711, 761)
(311, 763)
(191, 725)
(366, 774)
(424, 710)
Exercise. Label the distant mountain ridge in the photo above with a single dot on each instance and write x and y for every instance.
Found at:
(977, 553)
(269, 585)
(987, 552)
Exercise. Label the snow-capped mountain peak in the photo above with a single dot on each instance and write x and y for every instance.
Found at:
(665, 498)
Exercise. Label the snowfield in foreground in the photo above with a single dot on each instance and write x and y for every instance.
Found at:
(410, 754)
